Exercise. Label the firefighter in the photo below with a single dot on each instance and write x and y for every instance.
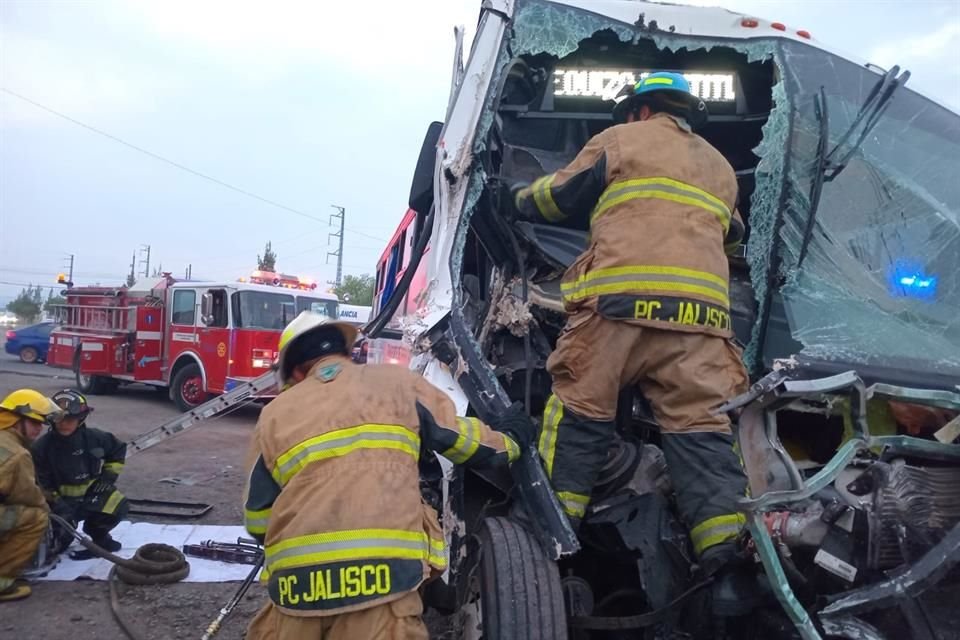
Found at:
(648, 304)
(334, 494)
(78, 467)
(23, 509)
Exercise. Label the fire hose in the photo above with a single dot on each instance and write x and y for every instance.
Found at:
(152, 564)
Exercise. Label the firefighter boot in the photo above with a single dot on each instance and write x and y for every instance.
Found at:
(738, 588)
(12, 590)
(709, 481)
(103, 540)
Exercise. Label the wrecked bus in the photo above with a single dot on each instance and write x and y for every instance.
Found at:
(845, 297)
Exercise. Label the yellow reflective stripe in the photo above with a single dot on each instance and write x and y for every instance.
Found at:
(634, 278)
(543, 197)
(647, 81)
(649, 270)
(552, 415)
(256, 521)
(513, 449)
(647, 285)
(617, 187)
(716, 530)
(356, 544)
(343, 442)
(346, 535)
(438, 554)
(74, 490)
(663, 189)
(467, 443)
(112, 502)
(574, 504)
(115, 467)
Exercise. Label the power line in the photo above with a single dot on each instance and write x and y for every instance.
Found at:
(31, 284)
(53, 273)
(177, 165)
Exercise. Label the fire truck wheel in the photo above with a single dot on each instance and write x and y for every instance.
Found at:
(29, 355)
(93, 385)
(187, 389)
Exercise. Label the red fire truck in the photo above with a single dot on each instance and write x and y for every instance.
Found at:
(195, 338)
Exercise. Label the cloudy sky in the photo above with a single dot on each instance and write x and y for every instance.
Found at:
(302, 104)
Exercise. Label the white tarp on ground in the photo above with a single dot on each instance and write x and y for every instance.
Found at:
(133, 535)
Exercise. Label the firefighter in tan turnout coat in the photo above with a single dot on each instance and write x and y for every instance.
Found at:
(23, 507)
(333, 491)
(648, 305)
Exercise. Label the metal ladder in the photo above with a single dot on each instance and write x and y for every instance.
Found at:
(242, 393)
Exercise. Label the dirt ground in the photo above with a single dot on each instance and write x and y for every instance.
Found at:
(208, 462)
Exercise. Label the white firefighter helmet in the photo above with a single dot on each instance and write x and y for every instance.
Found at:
(307, 322)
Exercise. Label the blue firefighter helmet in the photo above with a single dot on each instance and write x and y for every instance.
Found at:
(665, 90)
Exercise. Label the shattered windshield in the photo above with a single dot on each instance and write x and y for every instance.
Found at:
(878, 285)
(880, 281)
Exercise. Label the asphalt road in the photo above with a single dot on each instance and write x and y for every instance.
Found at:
(11, 365)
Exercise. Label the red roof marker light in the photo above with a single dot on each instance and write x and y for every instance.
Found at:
(749, 22)
(779, 26)
(804, 34)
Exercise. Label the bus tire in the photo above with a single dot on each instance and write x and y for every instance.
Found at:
(520, 593)
(187, 390)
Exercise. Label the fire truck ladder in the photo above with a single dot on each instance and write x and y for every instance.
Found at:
(240, 395)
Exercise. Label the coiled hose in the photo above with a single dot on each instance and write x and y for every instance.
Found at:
(151, 564)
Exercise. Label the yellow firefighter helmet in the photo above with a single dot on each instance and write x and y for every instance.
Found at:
(31, 404)
(305, 323)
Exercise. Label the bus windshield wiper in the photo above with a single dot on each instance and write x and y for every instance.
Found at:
(870, 113)
(826, 168)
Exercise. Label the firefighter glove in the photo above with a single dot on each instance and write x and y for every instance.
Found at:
(517, 196)
(517, 424)
(61, 508)
(102, 485)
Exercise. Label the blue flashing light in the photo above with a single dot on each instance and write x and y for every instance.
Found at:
(912, 281)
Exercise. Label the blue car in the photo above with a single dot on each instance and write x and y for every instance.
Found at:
(30, 343)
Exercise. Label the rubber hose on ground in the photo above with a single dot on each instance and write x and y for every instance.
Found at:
(151, 564)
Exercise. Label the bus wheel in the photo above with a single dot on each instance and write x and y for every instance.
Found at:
(187, 391)
(519, 589)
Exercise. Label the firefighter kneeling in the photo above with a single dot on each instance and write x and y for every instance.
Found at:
(77, 468)
(333, 491)
(23, 510)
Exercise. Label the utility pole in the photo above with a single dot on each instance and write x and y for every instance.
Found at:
(145, 251)
(69, 266)
(133, 268)
(189, 273)
(341, 214)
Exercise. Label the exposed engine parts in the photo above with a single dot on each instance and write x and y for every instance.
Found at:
(914, 507)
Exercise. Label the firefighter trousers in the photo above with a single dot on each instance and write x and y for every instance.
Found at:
(19, 539)
(397, 620)
(683, 376)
